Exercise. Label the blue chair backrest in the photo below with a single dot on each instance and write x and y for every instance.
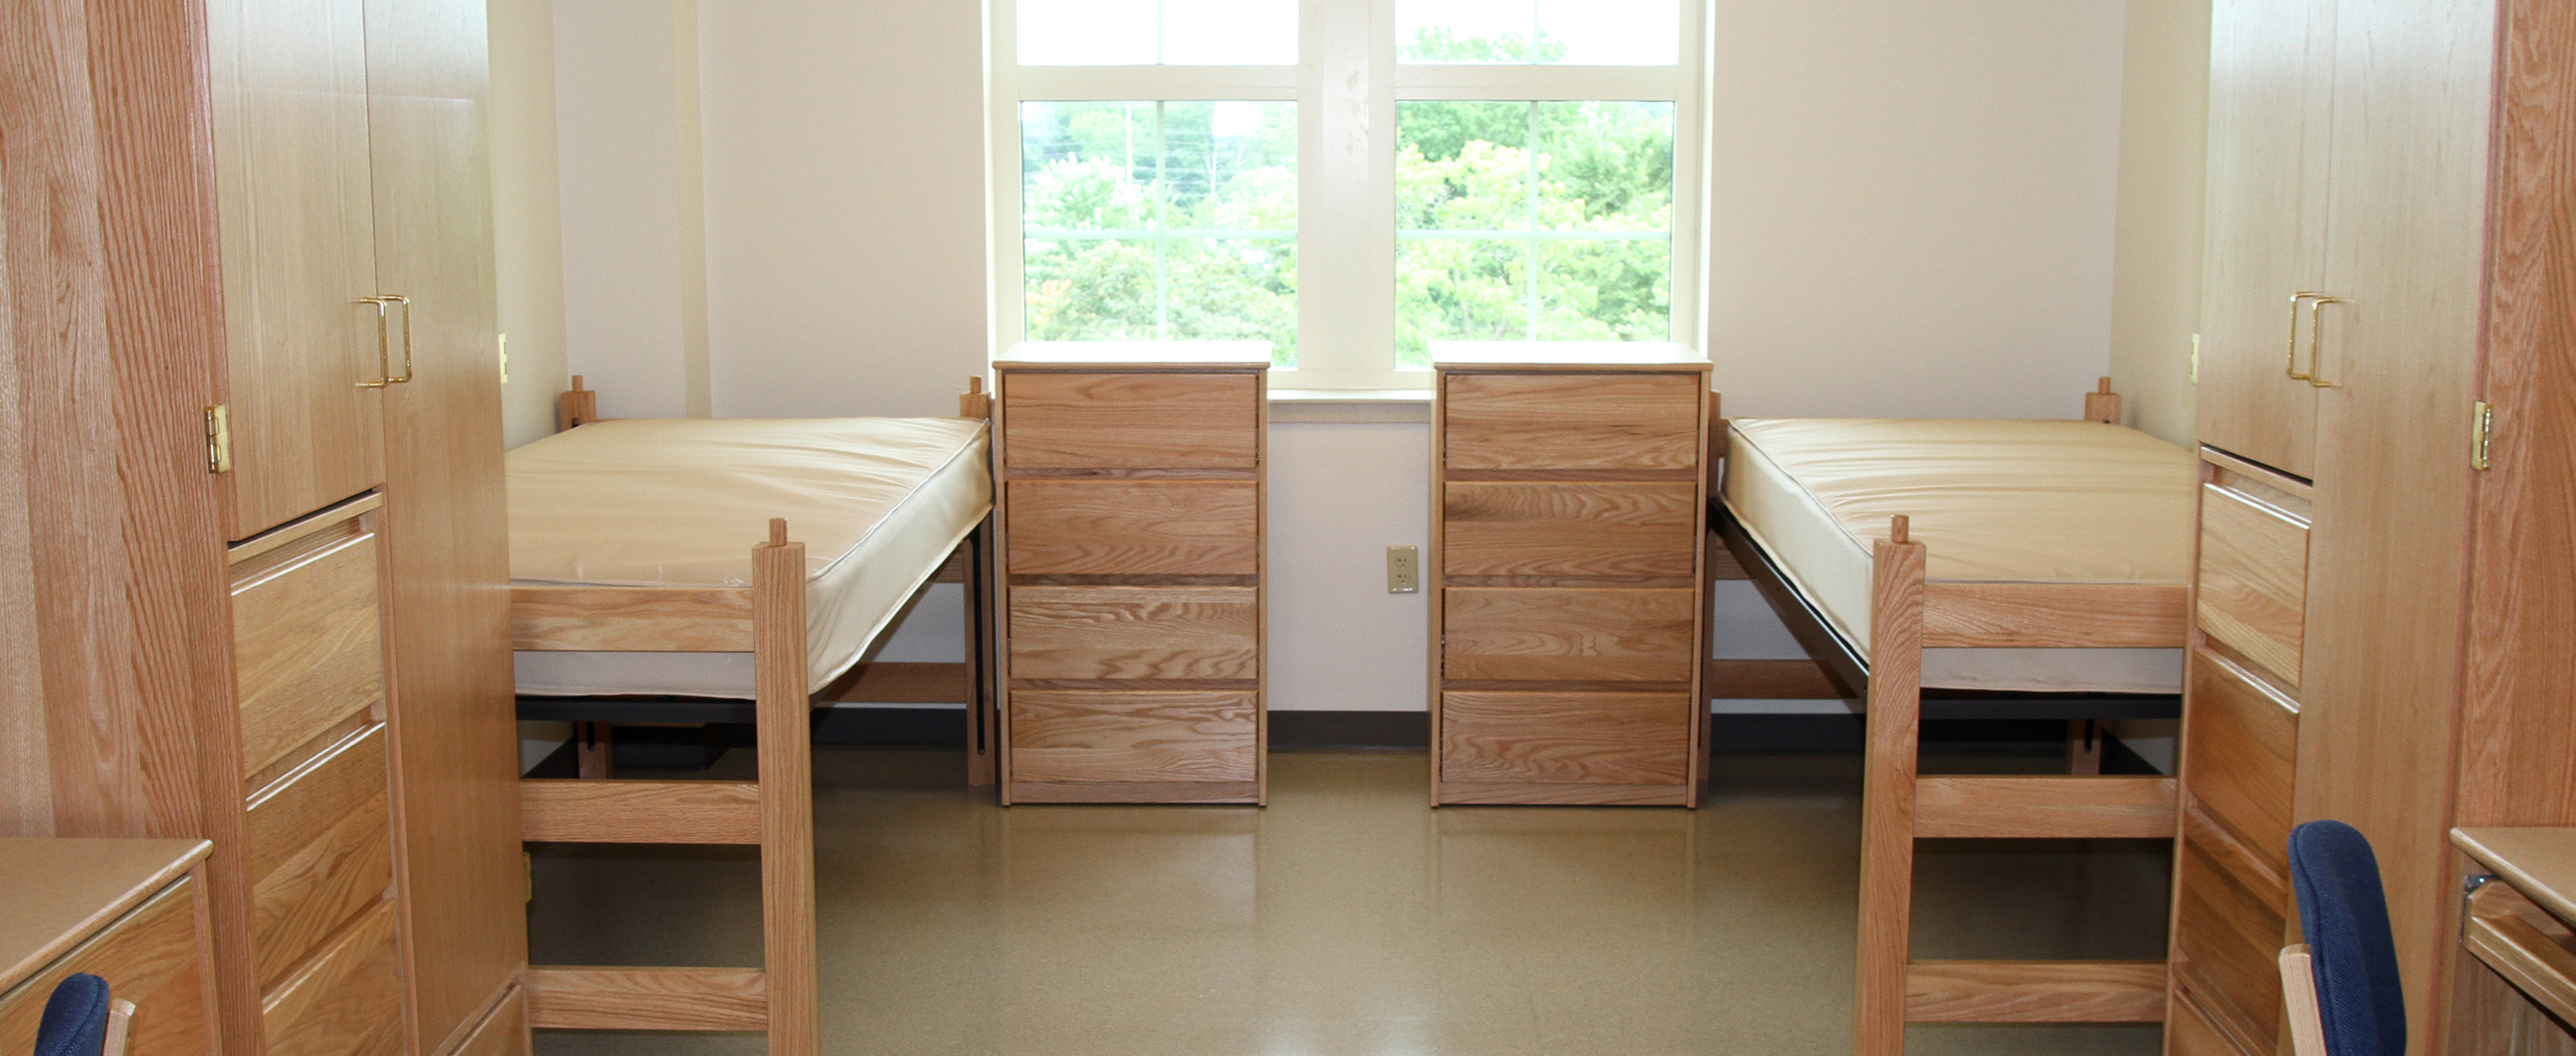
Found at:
(2345, 914)
(75, 1022)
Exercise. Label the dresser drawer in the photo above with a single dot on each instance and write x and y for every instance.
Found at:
(345, 1000)
(307, 638)
(1568, 634)
(1130, 421)
(1536, 421)
(2191, 1033)
(2242, 740)
(149, 957)
(1134, 527)
(1565, 528)
(2229, 928)
(2254, 578)
(1573, 738)
(1111, 736)
(1135, 632)
(321, 850)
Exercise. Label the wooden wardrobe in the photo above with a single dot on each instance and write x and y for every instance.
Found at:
(2384, 545)
(256, 552)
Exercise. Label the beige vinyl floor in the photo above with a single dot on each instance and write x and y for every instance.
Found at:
(1346, 918)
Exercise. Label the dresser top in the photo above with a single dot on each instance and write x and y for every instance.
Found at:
(56, 892)
(2539, 862)
(1137, 355)
(1566, 355)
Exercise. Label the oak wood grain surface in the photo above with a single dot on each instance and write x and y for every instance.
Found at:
(1131, 420)
(2054, 615)
(2227, 935)
(150, 955)
(2243, 740)
(570, 998)
(1567, 420)
(2270, 119)
(1142, 527)
(502, 1032)
(1888, 767)
(293, 175)
(623, 811)
(1569, 634)
(2253, 580)
(1569, 529)
(616, 619)
(2035, 991)
(321, 850)
(308, 634)
(1071, 736)
(346, 1000)
(2044, 807)
(1554, 738)
(1134, 632)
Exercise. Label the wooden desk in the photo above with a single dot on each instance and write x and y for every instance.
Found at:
(2517, 925)
(125, 910)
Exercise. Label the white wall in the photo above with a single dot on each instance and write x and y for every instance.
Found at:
(2164, 137)
(1915, 210)
(527, 214)
(1912, 205)
(845, 205)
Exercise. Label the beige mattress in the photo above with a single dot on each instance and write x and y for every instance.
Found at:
(1993, 501)
(878, 503)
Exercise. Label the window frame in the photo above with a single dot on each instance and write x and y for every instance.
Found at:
(1346, 85)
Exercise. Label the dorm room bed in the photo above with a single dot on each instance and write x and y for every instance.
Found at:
(1976, 569)
(632, 600)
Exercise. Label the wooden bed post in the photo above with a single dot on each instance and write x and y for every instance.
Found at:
(576, 406)
(783, 714)
(2102, 405)
(1888, 763)
(983, 756)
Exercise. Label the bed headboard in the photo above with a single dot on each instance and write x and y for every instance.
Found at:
(2100, 405)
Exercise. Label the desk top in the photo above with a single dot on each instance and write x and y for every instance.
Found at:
(2539, 862)
(56, 892)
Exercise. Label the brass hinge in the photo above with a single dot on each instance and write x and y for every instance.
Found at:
(219, 439)
(2481, 434)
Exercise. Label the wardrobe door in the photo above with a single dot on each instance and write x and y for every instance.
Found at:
(289, 82)
(454, 737)
(2405, 258)
(2270, 88)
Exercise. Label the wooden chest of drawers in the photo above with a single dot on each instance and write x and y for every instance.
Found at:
(2240, 741)
(127, 911)
(1570, 504)
(1130, 511)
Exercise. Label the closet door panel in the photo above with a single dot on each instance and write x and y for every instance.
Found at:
(2268, 127)
(2413, 96)
(446, 526)
(291, 176)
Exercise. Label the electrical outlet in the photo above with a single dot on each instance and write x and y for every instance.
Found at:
(1403, 570)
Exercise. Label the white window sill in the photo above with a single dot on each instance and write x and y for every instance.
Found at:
(1350, 405)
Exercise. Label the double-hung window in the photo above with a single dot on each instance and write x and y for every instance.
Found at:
(1350, 180)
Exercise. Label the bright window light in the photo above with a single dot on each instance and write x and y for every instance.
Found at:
(1160, 221)
(1570, 32)
(1532, 221)
(1157, 32)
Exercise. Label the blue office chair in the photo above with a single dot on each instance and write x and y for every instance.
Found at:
(2340, 989)
(75, 1022)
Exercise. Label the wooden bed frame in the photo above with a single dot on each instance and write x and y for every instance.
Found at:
(773, 811)
(1900, 805)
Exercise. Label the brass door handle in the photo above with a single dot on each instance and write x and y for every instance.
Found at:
(2290, 366)
(384, 340)
(2316, 336)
